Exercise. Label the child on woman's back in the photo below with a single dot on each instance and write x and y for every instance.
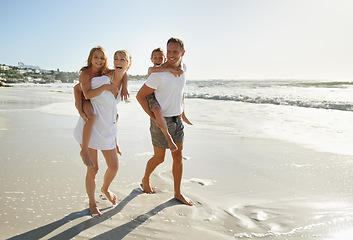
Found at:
(158, 58)
(97, 65)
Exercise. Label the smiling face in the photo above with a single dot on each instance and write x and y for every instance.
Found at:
(157, 58)
(174, 54)
(98, 59)
(121, 63)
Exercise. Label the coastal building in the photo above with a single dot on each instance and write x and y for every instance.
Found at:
(3, 67)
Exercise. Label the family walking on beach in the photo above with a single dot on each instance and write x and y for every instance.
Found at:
(161, 97)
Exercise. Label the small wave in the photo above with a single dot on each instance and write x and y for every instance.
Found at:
(276, 101)
(326, 84)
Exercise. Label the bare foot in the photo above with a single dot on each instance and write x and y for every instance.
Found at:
(145, 187)
(85, 158)
(183, 199)
(110, 196)
(93, 209)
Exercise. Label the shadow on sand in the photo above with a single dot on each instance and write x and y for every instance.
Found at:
(123, 230)
(75, 230)
(118, 233)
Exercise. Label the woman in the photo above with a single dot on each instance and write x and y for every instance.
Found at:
(104, 130)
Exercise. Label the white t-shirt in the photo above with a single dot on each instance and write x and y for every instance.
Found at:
(168, 91)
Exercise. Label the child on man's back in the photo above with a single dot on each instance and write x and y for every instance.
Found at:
(158, 58)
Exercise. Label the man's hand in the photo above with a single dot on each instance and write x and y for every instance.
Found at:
(184, 118)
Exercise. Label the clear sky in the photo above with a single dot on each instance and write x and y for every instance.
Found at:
(224, 39)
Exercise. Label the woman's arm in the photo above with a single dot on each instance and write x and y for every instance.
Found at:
(124, 92)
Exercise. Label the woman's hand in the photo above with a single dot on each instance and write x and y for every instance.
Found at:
(83, 115)
(124, 94)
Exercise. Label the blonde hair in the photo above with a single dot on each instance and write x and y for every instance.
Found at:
(125, 54)
(157, 50)
(90, 56)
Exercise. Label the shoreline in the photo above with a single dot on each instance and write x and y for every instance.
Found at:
(243, 187)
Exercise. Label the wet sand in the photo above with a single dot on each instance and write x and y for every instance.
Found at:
(243, 187)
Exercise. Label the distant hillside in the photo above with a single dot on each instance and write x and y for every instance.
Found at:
(26, 73)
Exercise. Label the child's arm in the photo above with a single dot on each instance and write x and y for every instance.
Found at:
(175, 71)
(124, 92)
(78, 94)
(85, 79)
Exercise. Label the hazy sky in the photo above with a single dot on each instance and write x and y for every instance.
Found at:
(224, 39)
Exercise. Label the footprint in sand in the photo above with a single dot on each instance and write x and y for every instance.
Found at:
(254, 219)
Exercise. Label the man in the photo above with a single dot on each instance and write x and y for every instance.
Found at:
(168, 90)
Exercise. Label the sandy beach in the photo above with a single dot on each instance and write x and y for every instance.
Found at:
(243, 187)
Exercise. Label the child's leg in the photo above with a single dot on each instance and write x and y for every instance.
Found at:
(156, 109)
(87, 131)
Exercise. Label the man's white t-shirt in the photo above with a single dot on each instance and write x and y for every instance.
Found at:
(168, 91)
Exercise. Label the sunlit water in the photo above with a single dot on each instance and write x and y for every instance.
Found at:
(316, 114)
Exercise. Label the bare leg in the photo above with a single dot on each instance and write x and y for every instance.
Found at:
(111, 159)
(163, 126)
(177, 175)
(91, 183)
(116, 140)
(158, 158)
(87, 131)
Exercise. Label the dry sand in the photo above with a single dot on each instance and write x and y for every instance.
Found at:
(243, 187)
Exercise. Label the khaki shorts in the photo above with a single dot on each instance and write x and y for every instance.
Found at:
(152, 101)
(175, 129)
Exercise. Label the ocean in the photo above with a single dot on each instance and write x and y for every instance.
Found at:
(249, 164)
(315, 114)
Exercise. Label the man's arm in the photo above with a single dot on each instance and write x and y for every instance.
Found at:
(141, 98)
(183, 115)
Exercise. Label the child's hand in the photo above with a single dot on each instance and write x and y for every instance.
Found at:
(113, 89)
(124, 94)
(177, 72)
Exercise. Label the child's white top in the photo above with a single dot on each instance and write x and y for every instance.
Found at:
(168, 91)
(105, 127)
